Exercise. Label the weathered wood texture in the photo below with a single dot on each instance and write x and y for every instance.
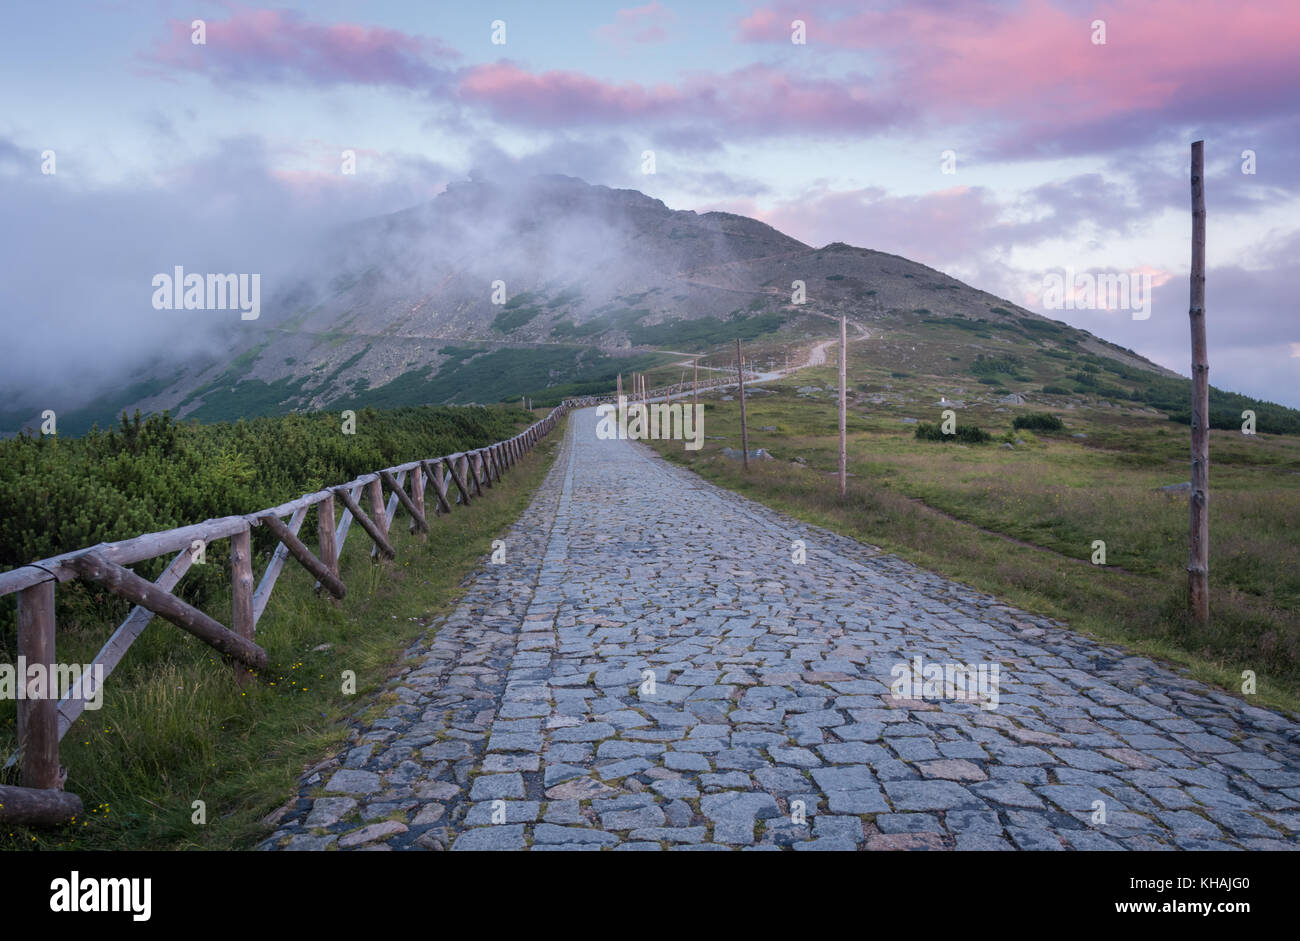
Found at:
(1198, 561)
(458, 464)
(241, 580)
(304, 556)
(329, 552)
(133, 588)
(417, 500)
(111, 654)
(844, 360)
(38, 725)
(262, 596)
(744, 430)
(37, 806)
(417, 514)
(373, 531)
(438, 475)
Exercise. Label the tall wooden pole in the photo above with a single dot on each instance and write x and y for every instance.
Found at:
(844, 444)
(1198, 562)
(619, 394)
(695, 385)
(744, 432)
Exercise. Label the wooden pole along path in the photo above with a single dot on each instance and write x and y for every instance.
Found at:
(744, 430)
(844, 442)
(1198, 560)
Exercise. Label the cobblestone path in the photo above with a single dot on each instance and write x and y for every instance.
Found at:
(527, 719)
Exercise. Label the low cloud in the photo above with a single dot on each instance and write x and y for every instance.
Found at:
(79, 262)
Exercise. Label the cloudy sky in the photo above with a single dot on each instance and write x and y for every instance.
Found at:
(1061, 150)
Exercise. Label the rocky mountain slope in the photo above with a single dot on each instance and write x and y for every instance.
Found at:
(491, 291)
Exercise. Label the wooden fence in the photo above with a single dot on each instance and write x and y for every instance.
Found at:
(682, 389)
(43, 720)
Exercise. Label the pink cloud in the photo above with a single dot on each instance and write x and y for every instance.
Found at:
(281, 45)
(649, 23)
(1033, 63)
(755, 99)
(513, 93)
(1026, 71)
(954, 225)
(932, 228)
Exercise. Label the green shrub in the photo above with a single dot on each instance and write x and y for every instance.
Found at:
(58, 494)
(970, 434)
(996, 365)
(1039, 421)
(513, 316)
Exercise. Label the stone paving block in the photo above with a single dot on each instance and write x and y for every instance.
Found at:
(930, 795)
(492, 786)
(501, 837)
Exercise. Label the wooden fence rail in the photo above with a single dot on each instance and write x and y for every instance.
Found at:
(43, 718)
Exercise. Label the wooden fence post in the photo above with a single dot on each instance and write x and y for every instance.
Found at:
(417, 498)
(1198, 562)
(438, 475)
(377, 535)
(329, 553)
(38, 723)
(241, 577)
(459, 465)
(378, 515)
